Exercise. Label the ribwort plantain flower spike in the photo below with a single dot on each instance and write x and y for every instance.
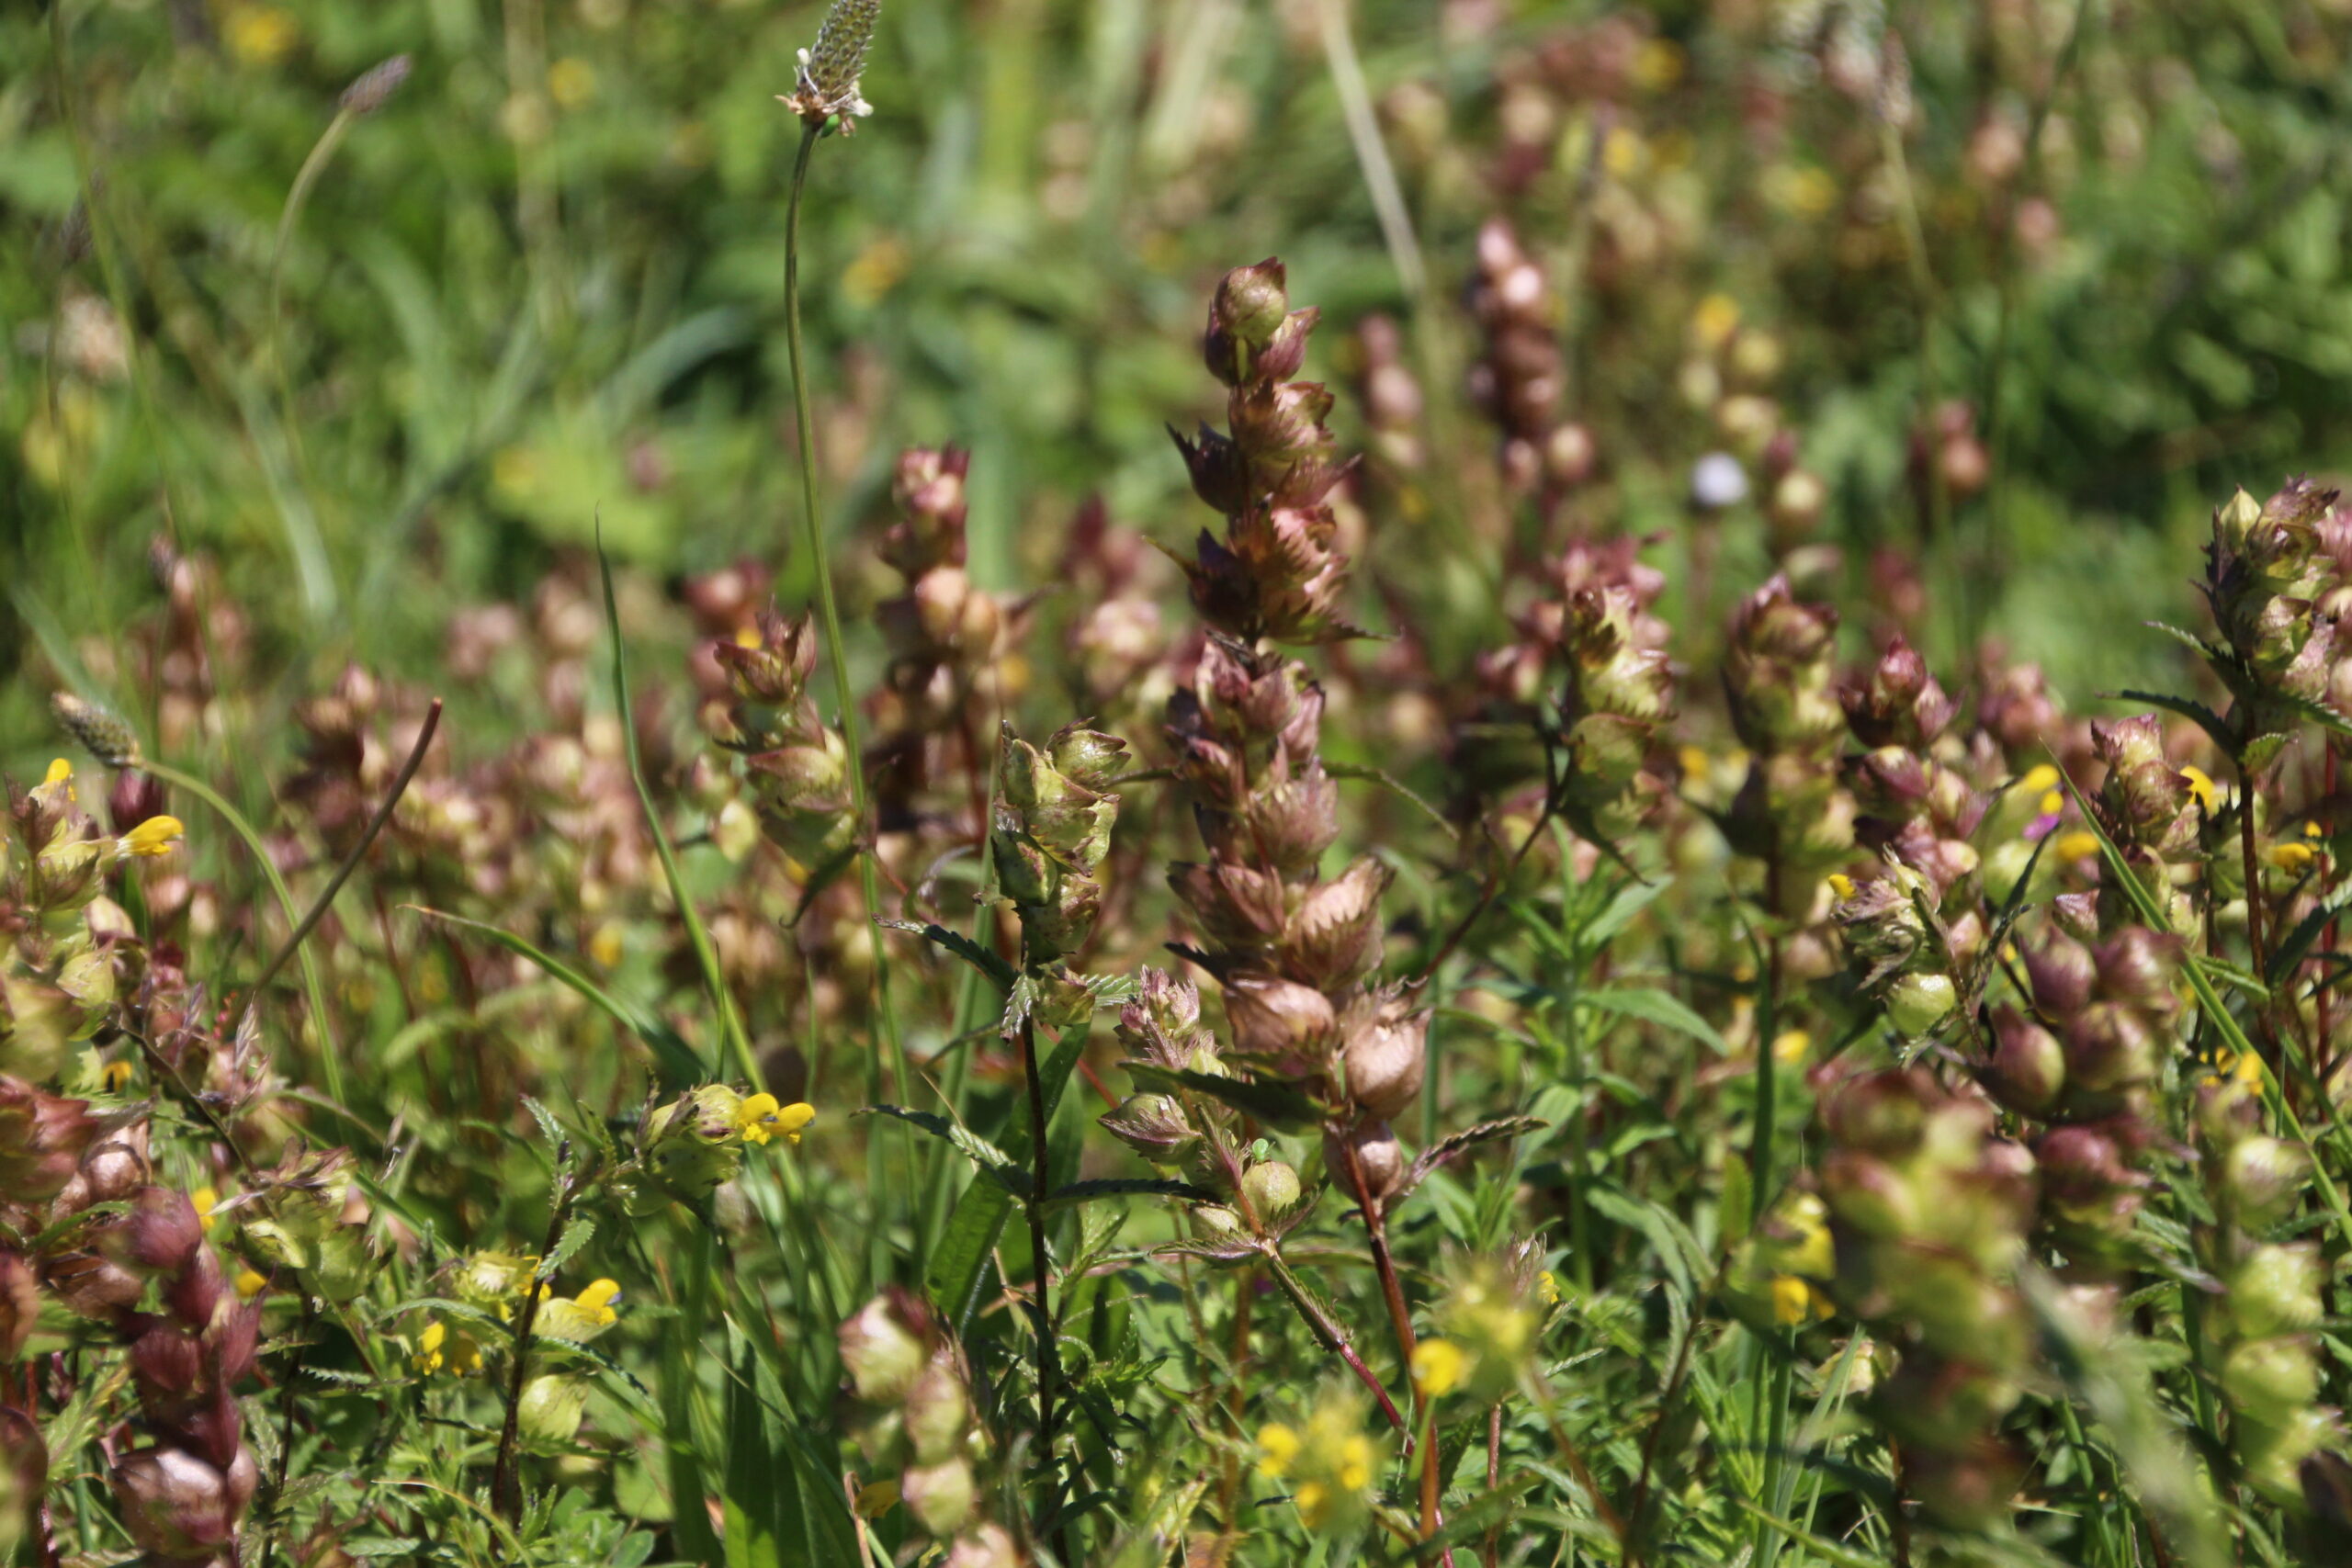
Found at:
(106, 736)
(827, 88)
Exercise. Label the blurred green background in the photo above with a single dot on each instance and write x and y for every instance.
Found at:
(543, 282)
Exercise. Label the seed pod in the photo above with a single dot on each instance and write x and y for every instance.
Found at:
(939, 1495)
(1376, 1153)
(882, 1347)
(1386, 1052)
(937, 1411)
(1272, 1188)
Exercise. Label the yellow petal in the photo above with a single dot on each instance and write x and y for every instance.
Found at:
(154, 837)
(1438, 1366)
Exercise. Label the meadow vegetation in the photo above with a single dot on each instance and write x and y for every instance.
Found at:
(674, 891)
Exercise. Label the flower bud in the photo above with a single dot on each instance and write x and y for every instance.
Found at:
(882, 1347)
(1088, 756)
(984, 1546)
(1272, 1188)
(939, 1495)
(2276, 1290)
(2264, 1178)
(1154, 1125)
(2267, 1381)
(1916, 1003)
(1252, 306)
(2029, 1066)
(551, 1407)
(937, 1411)
(177, 1506)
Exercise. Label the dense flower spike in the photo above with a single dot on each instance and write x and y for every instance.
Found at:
(1780, 675)
(797, 765)
(1521, 380)
(1279, 571)
(1929, 1213)
(825, 94)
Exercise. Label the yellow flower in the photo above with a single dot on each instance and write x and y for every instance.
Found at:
(1658, 65)
(2201, 785)
(2313, 830)
(2293, 859)
(116, 1075)
(761, 1118)
(572, 81)
(1277, 1447)
(1438, 1366)
(1714, 321)
(60, 771)
(1355, 1460)
(1794, 1300)
(1799, 189)
(1622, 152)
(258, 35)
(1810, 1252)
(205, 1199)
(2077, 845)
(2040, 778)
(1548, 1286)
(154, 837)
(876, 1498)
(2051, 804)
(1314, 1501)
(429, 1356)
(250, 1284)
(1841, 884)
(578, 1319)
(598, 1299)
(1789, 1045)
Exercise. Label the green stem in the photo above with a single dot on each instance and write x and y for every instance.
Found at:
(829, 611)
(1048, 1349)
(330, 1064)
(310, 550)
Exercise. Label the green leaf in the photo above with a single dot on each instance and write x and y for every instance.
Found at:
(1376, 775)
(730, 1020)
(961, 1258)
(1277, 1105)
(1466, 1525)
(1653, 1006)
(2326, 718)
(1437, 1153)
(970, 1144)
(2212, 651)
(1620, 910)
(691, 1525)
(1127, 1187)
(682, 1067)
(1736, 1209)
(2297, 942)
(961, 946)
(577, 1234)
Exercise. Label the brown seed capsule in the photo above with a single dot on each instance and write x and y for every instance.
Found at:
(1376, 1154)
(1386, 1052)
